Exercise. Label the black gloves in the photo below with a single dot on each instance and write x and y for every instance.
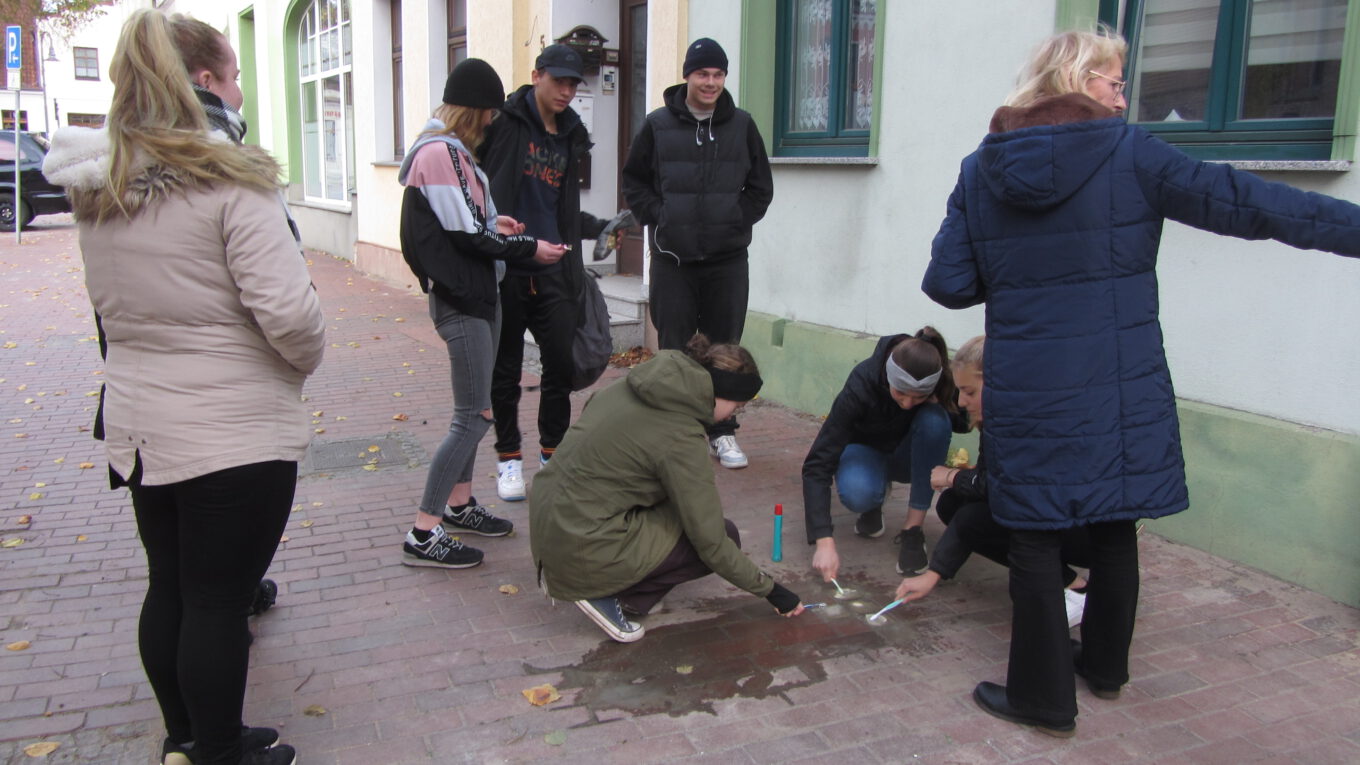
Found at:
(782, 599)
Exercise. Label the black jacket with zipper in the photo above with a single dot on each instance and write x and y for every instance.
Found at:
(501, 156)
(700, 185)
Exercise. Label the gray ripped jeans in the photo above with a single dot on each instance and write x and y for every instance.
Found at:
(471, 344)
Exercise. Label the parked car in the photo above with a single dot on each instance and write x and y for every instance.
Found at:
(37, 195)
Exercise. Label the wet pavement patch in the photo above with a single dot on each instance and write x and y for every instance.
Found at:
(744, 651)
(389, 450)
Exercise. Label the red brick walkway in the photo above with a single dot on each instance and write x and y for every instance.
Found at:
(418, 665)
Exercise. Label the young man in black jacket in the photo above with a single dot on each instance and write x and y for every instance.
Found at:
(698, 175)
(532, 154)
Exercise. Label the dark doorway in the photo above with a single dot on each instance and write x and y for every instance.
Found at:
(632, 110)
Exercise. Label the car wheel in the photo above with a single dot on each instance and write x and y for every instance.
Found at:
(8, 212)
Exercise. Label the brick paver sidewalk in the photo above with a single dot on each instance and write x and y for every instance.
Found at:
(366, 661)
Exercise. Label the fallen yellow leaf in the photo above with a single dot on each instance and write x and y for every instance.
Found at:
(341, 419)
(319, 430)
(406, 363)
(401, 417)
(297, 507)
(40, 484)
(318, 504)
(315, 710)
(283, 538)
(307, 524)
(36, 495)
(86, 465)
(374, 448)
(399, 320)
(397, 394)
(11, 345)
(541, 695)
(684, 669)
(42, 748)
(24, 520)
(19, 645)
(370, 467)
(81, 537)
(508, 589)
(318, 413)
(15, 542)
(60, 460)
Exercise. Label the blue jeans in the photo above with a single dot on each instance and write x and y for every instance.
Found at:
(864, 475)
(472, 353)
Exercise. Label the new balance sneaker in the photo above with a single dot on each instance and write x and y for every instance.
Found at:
(439, 551)
(728, 453)
(1076, 606)
(510, 480)
(607, 613)
(870, 524)
(911, 555)
(252, 740)
(475, 519)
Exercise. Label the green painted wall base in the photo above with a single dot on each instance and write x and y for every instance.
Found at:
(1270, 494)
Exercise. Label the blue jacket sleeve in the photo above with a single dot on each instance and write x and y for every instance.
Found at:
(1218, 198)
(952, 278)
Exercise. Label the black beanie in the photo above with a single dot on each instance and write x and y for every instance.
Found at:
(473, 83)
(704, 53)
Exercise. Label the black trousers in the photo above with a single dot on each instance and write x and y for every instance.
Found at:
(980, 533)
(1040, 679)
(681, 565)
(542, 304)
(707, 297)
(209, 541)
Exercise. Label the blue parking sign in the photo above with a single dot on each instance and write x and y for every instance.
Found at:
(13, 45)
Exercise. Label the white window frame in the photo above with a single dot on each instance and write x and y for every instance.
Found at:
(325, 53)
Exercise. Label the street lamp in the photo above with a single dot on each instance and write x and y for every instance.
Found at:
(42, 64)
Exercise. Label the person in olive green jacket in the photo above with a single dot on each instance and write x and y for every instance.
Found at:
(627, 507)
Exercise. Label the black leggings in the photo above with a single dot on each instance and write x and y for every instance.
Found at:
(208, 542)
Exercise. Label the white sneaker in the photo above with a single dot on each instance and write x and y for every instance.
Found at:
(510, 480)
(1076, 606)
(728, 453)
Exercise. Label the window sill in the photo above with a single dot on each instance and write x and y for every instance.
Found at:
(387, 163)
(854, 161)
(1288, 165)
(322, 204)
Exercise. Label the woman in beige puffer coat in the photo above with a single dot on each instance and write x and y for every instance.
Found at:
(212, 326)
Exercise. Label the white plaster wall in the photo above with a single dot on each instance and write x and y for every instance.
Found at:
(722, 22)
(1254, 326)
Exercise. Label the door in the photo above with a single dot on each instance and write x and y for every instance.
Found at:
(632, 110)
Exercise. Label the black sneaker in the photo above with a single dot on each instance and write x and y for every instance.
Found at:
(439, 551)
(475, 519)
(265, 596)
(607, 613)
(911, 556)
(870, 524)
(252, 739)
(282, 754)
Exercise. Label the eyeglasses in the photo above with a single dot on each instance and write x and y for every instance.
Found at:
(1118, 83)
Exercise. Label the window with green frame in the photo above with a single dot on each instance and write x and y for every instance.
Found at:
(824, 78)
(1237, 79)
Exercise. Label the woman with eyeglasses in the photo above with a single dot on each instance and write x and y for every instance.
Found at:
(1054, 226)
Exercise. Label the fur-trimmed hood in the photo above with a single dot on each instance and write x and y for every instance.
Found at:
(1038, 156)
(79, 161)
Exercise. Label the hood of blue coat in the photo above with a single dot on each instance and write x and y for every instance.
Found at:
(1038, 156)
(673, 382)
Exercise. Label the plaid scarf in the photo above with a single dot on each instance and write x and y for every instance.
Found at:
(220, 114)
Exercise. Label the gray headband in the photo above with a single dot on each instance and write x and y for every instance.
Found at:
(901, 381)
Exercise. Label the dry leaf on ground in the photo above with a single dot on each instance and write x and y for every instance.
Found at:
(508, 589)
(42, 748)
(684, 669)
(540, 695)
(15, 542)
(24, 520)
(307, 524)
(86, 465)
(315, 710)
(19, 645)
(400, 417)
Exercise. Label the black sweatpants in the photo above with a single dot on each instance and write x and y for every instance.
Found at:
(209, 541)
(544, 305)
(708, 297)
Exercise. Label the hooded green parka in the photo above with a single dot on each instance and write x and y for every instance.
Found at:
(631, 476)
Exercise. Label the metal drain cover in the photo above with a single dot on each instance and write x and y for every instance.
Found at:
(390, 450)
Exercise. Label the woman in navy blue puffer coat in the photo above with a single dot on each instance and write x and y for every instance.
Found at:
(1054, 225)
